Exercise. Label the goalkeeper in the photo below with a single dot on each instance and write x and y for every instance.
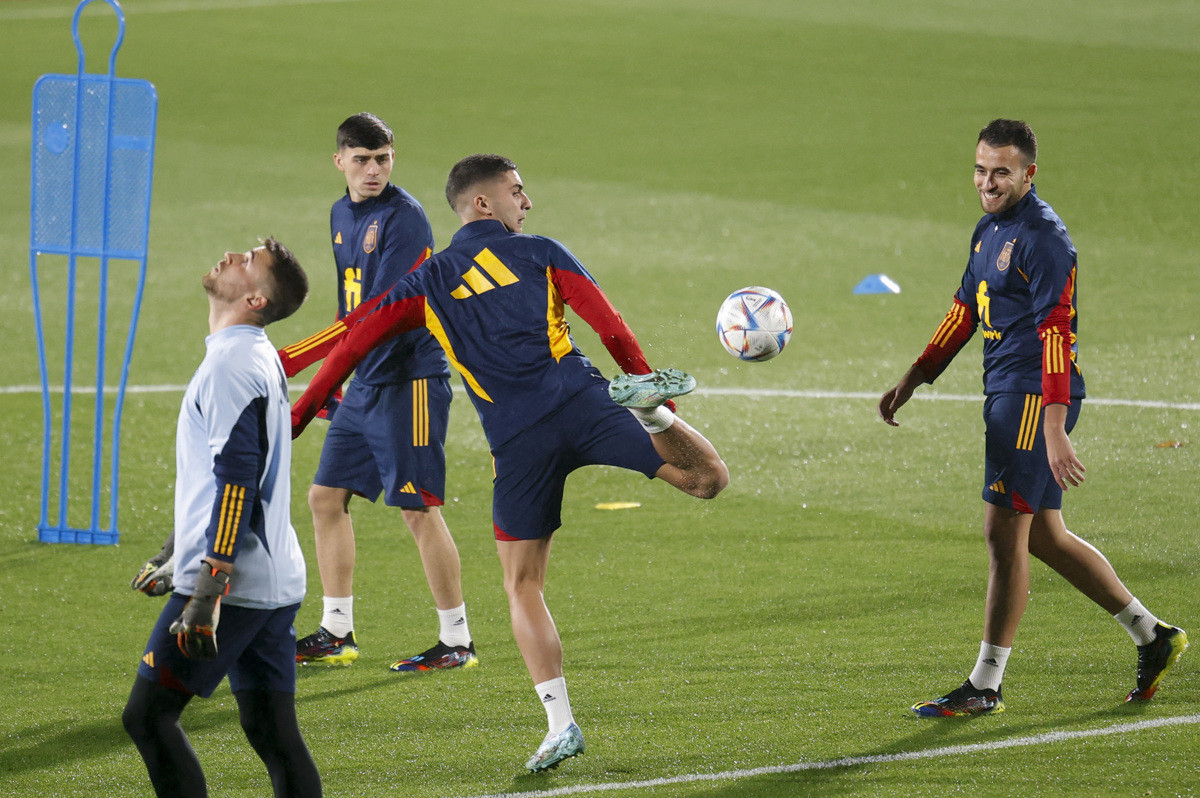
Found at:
(232, 506)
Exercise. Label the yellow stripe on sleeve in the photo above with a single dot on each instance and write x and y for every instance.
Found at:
(316, 339)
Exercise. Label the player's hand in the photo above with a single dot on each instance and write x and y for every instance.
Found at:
(1060, 452)
(156, 577)
(195, 629)
(896, 398)
(331, 405)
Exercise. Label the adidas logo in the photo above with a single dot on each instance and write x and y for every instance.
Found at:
(337, 612)
(149, 659)
(547, 698)
(990, 661)
(1134, 620)
(460, 621)
(474, 281)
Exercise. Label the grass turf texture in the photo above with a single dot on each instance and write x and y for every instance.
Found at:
(682, 150)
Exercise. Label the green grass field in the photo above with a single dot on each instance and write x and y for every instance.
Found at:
(681, 150)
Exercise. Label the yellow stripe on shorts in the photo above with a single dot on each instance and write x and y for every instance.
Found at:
(1029, 421)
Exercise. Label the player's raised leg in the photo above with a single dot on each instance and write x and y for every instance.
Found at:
(692, 462)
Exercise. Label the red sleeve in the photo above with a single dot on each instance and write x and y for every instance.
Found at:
(302, 354)
(586, 299)
(955, 330)
(385, 323)
(1057, 340)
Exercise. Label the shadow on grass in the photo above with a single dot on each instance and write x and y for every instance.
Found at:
(46, 746)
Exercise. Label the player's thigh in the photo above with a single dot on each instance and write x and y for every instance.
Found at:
(406, 432)
(531, 473)
(163, 662)
(268, 660)
(1016, 471)
(347, 461)
(604, 433)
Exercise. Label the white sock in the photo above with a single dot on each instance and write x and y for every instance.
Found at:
(553, 695)
(1138, 621)
(653, 419)
(452, 626)
(989, 668)
(338, 617)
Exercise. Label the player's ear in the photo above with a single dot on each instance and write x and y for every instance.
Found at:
(1030, 171)
(257, 302)
(481, 204)
(337, 161)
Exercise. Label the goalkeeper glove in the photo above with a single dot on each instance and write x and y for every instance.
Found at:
(156, 577)
(195, 629)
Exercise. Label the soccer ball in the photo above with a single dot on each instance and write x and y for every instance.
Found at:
(754, 324)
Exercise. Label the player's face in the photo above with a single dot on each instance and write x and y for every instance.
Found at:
(509, 202)
(367, 171)
(238, 274)
(1002, 177)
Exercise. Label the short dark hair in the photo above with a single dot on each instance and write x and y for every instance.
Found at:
(289, 283)
(1011, 133)
(364, 130)
(472, 170)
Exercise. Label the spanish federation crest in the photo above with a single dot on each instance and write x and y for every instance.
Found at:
(1005, 255)
(372, 238)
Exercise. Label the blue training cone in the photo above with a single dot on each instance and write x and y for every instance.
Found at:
(877, 284)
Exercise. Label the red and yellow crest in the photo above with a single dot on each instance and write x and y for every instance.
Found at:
(1005, 255)
(371, 238)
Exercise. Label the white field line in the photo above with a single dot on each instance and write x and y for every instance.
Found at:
(782, 393)
(854, 761)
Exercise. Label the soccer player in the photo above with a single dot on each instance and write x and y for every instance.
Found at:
(1019, 287)
(238, 556)
(389, 431)
(495, 301)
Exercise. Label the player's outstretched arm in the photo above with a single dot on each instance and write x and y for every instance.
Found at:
(898, 396)
(383, 324)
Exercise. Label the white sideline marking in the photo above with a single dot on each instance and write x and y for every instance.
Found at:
(749, 392)
(851, 761)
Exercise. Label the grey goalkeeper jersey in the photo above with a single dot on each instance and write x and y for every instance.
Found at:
(233, 454)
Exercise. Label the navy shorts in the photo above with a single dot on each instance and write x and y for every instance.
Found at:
(532, 468)
(1016, 471)
(255, 648)
(389, 439)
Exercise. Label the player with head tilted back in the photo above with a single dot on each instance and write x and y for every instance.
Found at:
(494, 299)
(1019, 287)
(239, 560)
(389, 431)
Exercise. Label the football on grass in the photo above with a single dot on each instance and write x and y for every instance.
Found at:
(754, 324)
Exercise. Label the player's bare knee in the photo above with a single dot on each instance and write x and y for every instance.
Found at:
(711, 481)
(327, 502)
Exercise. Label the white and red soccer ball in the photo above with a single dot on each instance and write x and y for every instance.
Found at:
(754, 324)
